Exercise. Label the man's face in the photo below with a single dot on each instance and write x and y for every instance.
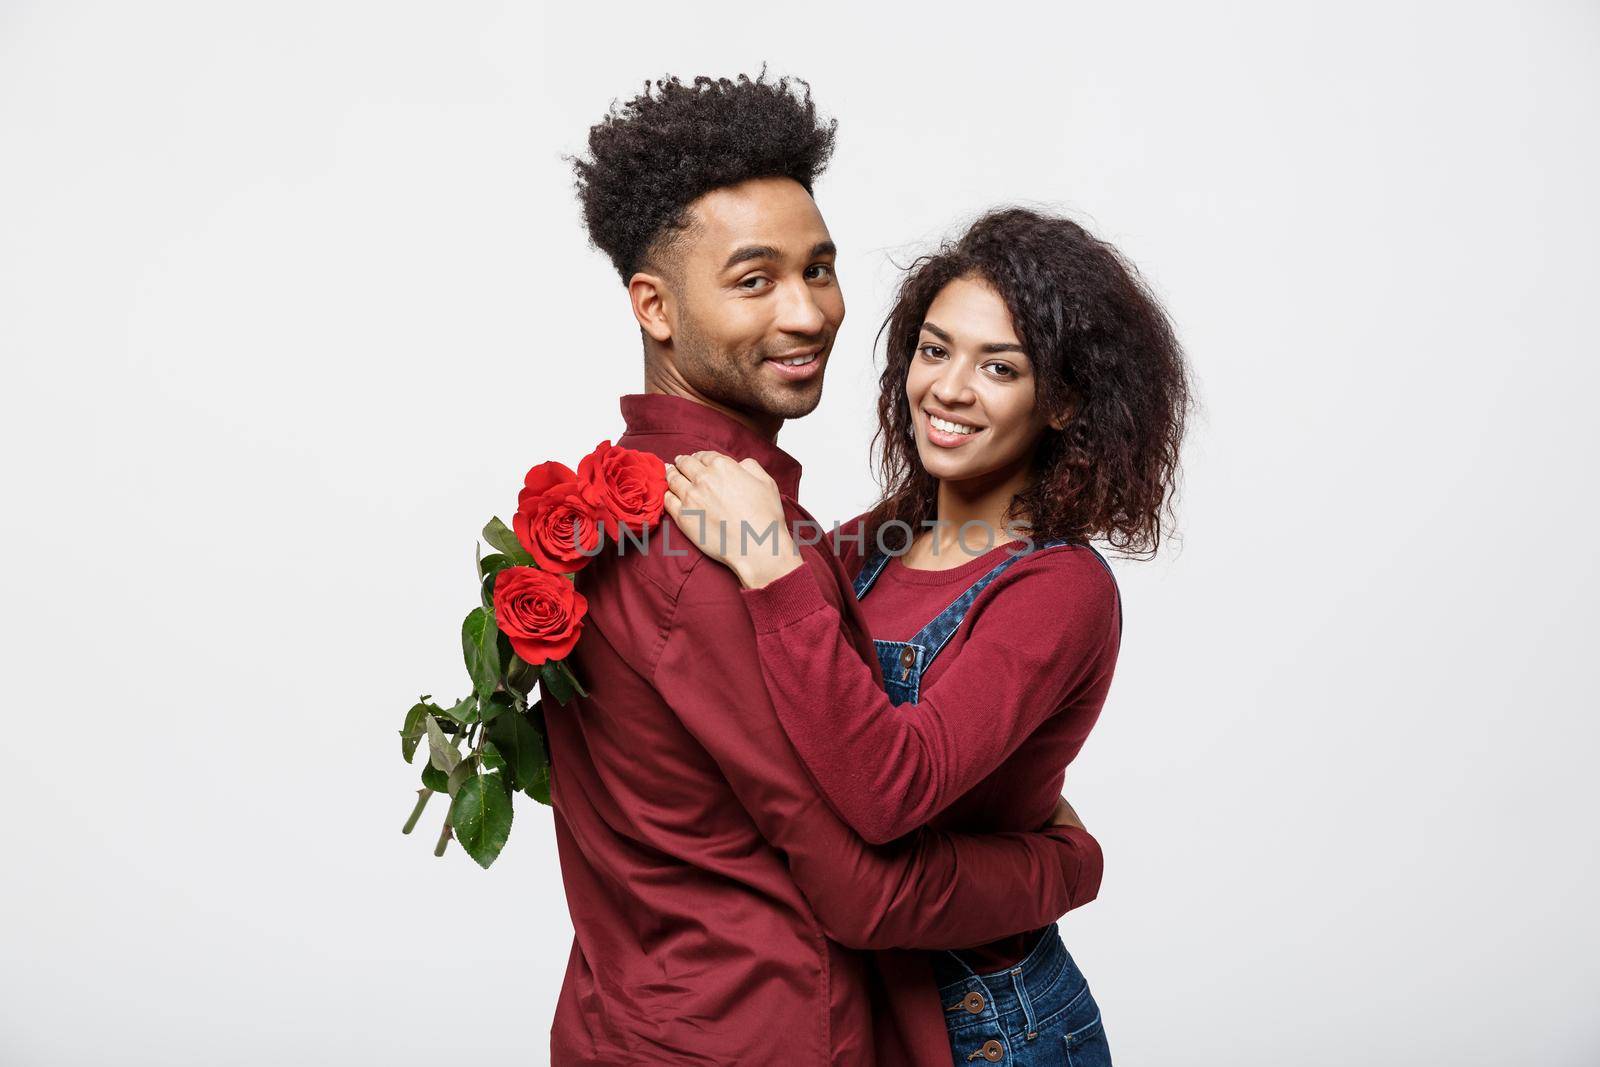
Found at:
(756, 305)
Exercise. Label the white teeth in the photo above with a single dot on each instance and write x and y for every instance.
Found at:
(797, 361)
(949, 427)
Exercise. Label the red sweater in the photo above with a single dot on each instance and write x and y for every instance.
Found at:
(1005, 706)
(720, 908)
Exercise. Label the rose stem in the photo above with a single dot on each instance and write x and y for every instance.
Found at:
(416, 813)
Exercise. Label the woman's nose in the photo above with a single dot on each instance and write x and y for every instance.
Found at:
(952, 386)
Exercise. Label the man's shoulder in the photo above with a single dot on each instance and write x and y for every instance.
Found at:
(661, 557)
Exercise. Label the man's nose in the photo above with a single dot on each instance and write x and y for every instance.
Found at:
(798, 312)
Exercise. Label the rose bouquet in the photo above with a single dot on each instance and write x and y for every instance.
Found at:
(491, 744)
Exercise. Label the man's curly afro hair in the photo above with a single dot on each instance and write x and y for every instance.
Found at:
(654, 155)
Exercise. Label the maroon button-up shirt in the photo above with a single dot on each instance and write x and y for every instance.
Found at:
(720, 907)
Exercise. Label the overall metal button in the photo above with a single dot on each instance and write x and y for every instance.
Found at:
(908, 656)
(973, 1002)
(993, 1051)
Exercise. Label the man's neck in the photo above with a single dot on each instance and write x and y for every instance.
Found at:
(665, 381)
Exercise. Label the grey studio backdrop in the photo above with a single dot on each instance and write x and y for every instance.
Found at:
(292, 294)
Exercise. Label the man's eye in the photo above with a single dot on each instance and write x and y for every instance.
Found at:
(755, 281)
(819, 270)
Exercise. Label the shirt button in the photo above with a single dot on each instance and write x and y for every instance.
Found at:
(973, 1002)
(907, 656)
(993, 1051)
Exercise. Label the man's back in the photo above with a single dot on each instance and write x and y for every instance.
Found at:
(692, 941)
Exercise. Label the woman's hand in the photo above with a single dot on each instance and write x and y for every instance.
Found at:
(1065, 816)
(732, 512)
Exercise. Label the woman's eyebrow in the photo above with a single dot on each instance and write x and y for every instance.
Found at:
(988, 349)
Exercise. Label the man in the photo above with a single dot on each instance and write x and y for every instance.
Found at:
(721, 909)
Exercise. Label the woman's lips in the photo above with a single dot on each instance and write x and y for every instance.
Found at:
(944, 438)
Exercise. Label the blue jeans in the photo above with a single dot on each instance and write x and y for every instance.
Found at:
(1038, 1013)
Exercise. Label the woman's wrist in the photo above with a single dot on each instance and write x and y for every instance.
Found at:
(764, 567)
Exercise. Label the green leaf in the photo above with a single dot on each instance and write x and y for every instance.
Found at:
(464, 711)
(515, 738)
(434, 778)
(481, 815)
(494, 563)
(555, 684)
(493, 760)
(540, 788)
(496, 705)
(561, 682)
(441, 752)
(500, 536)
(520, 676)
(481, 650)
(415, 729)
(459, 775)
(573, 678)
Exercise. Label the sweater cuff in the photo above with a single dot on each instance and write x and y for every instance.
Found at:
(1091, 861)
(779, 603)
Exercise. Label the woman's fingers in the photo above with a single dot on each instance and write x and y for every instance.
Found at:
(755, 468)
(677, 481)
(692, 465)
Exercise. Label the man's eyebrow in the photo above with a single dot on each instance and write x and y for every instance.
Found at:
(749, 252)
(988, 349)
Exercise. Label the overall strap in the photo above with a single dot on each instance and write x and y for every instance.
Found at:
(869, 572)
(934, 635)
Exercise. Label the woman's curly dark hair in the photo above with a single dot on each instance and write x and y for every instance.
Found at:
(652, 156)
(1102, 349)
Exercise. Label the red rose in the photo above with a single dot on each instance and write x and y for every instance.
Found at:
(540, 612)
(558, 520)
(630, 485)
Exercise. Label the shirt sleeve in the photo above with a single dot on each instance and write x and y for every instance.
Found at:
(928, 890)
(1037, 632)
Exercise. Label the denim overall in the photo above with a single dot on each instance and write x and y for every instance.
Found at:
(1039, 1012)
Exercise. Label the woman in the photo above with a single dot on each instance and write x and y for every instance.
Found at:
(1034, 399)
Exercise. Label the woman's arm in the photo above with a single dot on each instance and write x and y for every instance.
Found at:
(930, 890)
(1037, 633)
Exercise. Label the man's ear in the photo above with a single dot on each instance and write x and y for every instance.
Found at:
(650, 297)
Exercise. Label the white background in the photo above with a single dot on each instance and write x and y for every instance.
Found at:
(292, 294)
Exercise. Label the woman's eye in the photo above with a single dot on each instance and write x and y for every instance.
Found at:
(931, 351)
(1006, 368)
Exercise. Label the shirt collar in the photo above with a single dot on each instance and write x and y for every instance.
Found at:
(661, 413)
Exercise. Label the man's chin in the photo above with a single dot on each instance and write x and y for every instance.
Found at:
(794, 402)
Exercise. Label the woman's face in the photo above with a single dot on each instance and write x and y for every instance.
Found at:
(970, 369)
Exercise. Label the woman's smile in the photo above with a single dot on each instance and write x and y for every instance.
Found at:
(948, 432)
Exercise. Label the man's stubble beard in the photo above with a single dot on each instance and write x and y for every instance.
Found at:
(736, 379)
